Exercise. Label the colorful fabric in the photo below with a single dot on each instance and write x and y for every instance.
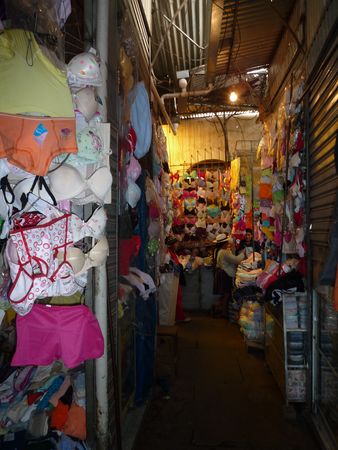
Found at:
(30, 83)
(31, 143)
(49, 333)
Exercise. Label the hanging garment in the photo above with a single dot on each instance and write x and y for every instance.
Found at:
(93, 227)
(68, 183)
(91, 148)
(48, 333)
(36, 185)
(82, 262)
(146, 279)
(6, 206)
(31, 143)
(30, 83)
(84, 70)
(35, 271)
(141, 119)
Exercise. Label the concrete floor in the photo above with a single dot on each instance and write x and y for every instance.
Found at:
(222, 397)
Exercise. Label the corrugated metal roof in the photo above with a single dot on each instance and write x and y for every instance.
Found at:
(255, 30)
(248, 35)
(175, 50)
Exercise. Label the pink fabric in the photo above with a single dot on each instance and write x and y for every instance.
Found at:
(48, 333)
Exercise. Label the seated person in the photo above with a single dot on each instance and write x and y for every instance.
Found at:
(248, 244)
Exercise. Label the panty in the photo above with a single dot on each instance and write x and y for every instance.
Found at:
(48, 333)
(31, 142)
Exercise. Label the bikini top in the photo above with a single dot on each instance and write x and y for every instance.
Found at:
(67, 183)
(82, 262)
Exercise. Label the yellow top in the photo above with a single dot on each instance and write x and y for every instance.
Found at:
(29, 81)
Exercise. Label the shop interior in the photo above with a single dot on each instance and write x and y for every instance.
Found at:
(168, 225)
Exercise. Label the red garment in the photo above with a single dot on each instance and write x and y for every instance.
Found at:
(173, 256)
(179, 305)
(179, 302)
(59, 416)
(33, 397)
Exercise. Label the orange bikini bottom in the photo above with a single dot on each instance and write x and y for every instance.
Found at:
(31, 142)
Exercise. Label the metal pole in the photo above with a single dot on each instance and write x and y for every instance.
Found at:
(100, 293)
(252, 203)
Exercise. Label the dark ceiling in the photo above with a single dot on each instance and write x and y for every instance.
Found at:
(217, 42)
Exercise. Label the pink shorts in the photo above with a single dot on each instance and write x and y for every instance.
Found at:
(48, 333)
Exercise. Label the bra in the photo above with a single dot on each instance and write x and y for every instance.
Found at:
(67, 183)
(145, 278)
(36, 185)
(93, 227)
(82, 262)
(91, 147)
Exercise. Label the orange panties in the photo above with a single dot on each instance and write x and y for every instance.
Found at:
(31, 142)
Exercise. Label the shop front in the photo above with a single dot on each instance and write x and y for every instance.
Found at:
(137, 191)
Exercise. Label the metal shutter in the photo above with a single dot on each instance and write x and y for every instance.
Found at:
(322, 134)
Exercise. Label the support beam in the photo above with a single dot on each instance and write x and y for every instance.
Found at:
(216, 22)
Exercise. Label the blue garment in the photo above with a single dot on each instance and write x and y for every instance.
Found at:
(140, 117)
(67, 443)
(54, 387)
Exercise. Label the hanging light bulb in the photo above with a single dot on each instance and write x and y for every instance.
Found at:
(176, 122)
(233, 96)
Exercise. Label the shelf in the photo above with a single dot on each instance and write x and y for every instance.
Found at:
(292, 330)
(295, 366)
(254, 344)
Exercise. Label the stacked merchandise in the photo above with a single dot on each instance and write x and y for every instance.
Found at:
(251, 321)
(295, 327)
(54, 155)
(34, 398)
(249, 293)
(295, 311)
(248, 270)
(246, 294)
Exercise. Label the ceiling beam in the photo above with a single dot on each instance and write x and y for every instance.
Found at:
(215, 27)
(233, 32)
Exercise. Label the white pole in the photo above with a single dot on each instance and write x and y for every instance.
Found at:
(100, 293)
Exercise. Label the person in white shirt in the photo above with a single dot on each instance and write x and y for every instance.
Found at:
(225, 265)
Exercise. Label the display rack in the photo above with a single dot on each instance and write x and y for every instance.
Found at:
(286, 331)
(295, 324)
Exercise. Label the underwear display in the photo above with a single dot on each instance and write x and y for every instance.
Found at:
(49, 333)
(82, 262)
(31, 143)
(68, 183)
(34, 269)
(93, 227)
(32, 185)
